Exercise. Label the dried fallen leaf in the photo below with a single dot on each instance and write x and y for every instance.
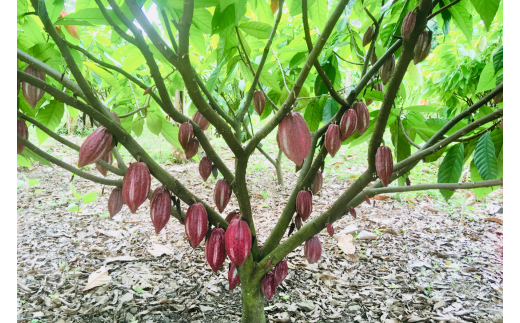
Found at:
(120, 258)
(346, 243)
(158, 249)
(497, 220)
(381, 197)
(97, 278)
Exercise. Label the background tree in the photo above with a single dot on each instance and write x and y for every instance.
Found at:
(108, 58)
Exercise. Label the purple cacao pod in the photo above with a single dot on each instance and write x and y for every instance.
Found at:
(280, 271)
(259, 102)
(107, 159)
(294, 138)
(216, 248)
(185, 134)
(298, 222)
(330, 229)
(200, 120)
(304, 204)
(32, 93)
(221, 194)
(353, 212)
(373, 58)
(422, 47)
(136, 185)
(238, 241)
(233, 278)
(205, 166)
(268, 285)
(312, 249)
(160, 208)
(22, 131)
(387, 70)
(384, 164)
(317, 183)
(115, 201)
(333, 139)
(196, 224)
(363, 117)
(97, 145)
(192, 148)
(408, 25)
(348, 124)
(367, 37)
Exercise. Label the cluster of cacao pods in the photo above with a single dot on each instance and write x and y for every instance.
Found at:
(22, 131)
(423, 46)
(384, 164)
(188, 142)
(387, 70)
(273, 278)
(32, 93)
(294, 138)
(259, 102)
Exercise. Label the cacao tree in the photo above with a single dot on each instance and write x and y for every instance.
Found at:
(325, 75)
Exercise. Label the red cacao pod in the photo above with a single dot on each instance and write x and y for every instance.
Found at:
(115, 201)
(185, 134)
(502, 125)
(318, 183)
(280, 271)
(216, 248)
(268, 285)
(96, 146)
(259, 102)
(330, 229)
(367, 37)
(363, 117)
(221, 194)
(238, 241)
(196, 224)
(71, 29)
(192, 148)
(367, 199)
(22, 131)
(200, 120)
(384, 164)
(408, 25)
(232, 215)
(107, 159)
(205, 166)
(348, 124)
(294, 138)
(160, 208)
(136, 185)
(387, 70)
(353, 212)
(422, 47)
(31, 93)
(233, 278)
(304, 204)
(312, 249)
(333, 139)
(298, 222)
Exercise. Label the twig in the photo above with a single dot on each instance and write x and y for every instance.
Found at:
(345, 60)
(442, 9)
(405, 135)
(281, 70)
(480, 133)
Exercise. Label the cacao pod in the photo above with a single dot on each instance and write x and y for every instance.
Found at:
(268, 285)
(233, 278)
(216, 248)
(367, 199)
(22, 131)
(205, 168)
(367, 37)
(422, 47)
(97, 145)
(368, 102)
(318, 183)
(200, 120)
(147, 91)
(499, 98)
(294, 137)
(408, 25)
(214, 171)
(384, 164)
(107, 159)
(330, 229)
(259, 102)
(312, 249)
(31, 93)
(362, 117)
(333, 139)
(387, 70)
(232, 215)
(136, 185)
(353, 212)
(160, 208)
(221, 194)
(115, 201)
(185, 134)
(196, 224)
(348, 124)
(373, 58)
(280, 271)
(192, 148)
(71, 29)
(298, 222)
(238, 241)
(304, 204)
(378, 87)
(117, 117)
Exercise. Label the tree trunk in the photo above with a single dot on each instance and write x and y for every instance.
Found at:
(278, 166)
(252, 297)
(179, 155)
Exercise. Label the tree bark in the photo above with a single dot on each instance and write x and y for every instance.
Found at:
(252, 296)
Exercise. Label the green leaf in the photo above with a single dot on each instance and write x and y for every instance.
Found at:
(202, 20)
(485, 159)
(197, 40)
(330, 109)
(32, 156)
(104, 74)
(314, 113)
(137, 126)
(475, 177)
(89, 197)
(21, 161)
(330, 68)
(487, 78)
(487, 9)
(257, 29)
(33, 31)
(171, 133)
(212, 79)
(132, 61)
(374, 95)
(318, 13)
(451, 168)
(222, 20)
(72, 208)
(462, 19)
(50, 116)
(498, 59)
(421, 108)
(270, 80)
(264, 12)
(154, 122)
(54, 8)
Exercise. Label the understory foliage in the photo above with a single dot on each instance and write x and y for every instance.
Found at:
(304, 67)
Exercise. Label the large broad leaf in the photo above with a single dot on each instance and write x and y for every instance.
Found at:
(133, 61)
(475, 177)
(422, 108)
(318, 13)
(451, 168)
(462, 18)
(264, 12)
(402, 146)
(170, 133)
(104, 74)
(487, 9)
(50, 116)
(485, 159)
(257, 29)
(330, 109)
(330, 67)
(222, 20)
(314, 113)
(498, 59)
(202, 20)
(154, 122)
(30, 155)
(487, 78)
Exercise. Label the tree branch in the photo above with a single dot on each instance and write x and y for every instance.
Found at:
(350, 62)
(371, 192)
(169, 29)
(480, 133)
(442, 9)
(405, 135)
